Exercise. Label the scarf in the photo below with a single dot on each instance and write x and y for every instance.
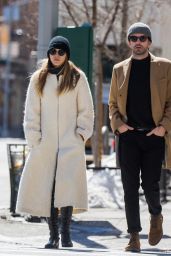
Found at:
(55, 70)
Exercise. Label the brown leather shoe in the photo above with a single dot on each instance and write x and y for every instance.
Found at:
(134, 243)
(156, 230)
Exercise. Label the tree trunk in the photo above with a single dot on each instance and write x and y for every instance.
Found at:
(97, 138)
(124, 49)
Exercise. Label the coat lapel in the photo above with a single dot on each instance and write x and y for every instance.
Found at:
(123, 90)
(126, 72)
(155, 100)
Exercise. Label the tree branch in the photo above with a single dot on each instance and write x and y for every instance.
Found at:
(124, 20)
(111, 22)
(94, 14)
(86, 11)
(68, 7)
(141, 12)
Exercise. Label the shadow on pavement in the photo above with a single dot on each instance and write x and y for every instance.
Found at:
(89, 250)
(83, 231)
(157, 252)
(145, 236)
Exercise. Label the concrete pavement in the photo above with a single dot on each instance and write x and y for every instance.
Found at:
(96, 232)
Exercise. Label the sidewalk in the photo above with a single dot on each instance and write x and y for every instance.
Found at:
(97, 232)
(100, 231)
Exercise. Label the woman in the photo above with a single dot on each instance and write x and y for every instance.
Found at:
(57, 122)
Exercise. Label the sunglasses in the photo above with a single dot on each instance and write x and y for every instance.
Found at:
(135, 38)
(54, 51)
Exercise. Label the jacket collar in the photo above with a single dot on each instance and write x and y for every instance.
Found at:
(127, 64)
(152, 57)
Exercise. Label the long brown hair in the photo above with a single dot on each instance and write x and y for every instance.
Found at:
(70, 77)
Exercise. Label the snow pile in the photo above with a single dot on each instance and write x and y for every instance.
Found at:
(105, 187)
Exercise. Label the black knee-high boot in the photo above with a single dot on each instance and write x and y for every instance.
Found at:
(66, 215)
(53, 242)
(53, 224)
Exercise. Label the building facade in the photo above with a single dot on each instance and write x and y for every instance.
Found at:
(18, 44)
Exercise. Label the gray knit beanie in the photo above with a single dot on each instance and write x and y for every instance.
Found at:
(141, 28)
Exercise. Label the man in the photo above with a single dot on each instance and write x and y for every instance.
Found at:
(140, 113)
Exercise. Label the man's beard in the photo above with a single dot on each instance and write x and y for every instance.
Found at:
(139, 51)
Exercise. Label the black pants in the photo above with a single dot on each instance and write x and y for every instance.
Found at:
(140, 155)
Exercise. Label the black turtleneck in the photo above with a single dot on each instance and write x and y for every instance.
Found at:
(139, 95)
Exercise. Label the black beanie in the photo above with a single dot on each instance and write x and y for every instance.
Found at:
(59, 42)
(141, 28)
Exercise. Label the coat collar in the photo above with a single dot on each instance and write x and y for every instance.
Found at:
(128, 61)
(127, 65)
(127, 68)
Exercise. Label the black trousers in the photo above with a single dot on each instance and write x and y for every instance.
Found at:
(140, 157)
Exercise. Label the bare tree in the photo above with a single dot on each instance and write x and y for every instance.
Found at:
(93, 14)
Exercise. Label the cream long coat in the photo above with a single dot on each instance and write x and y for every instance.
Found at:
(52, 125)
(160, 85)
